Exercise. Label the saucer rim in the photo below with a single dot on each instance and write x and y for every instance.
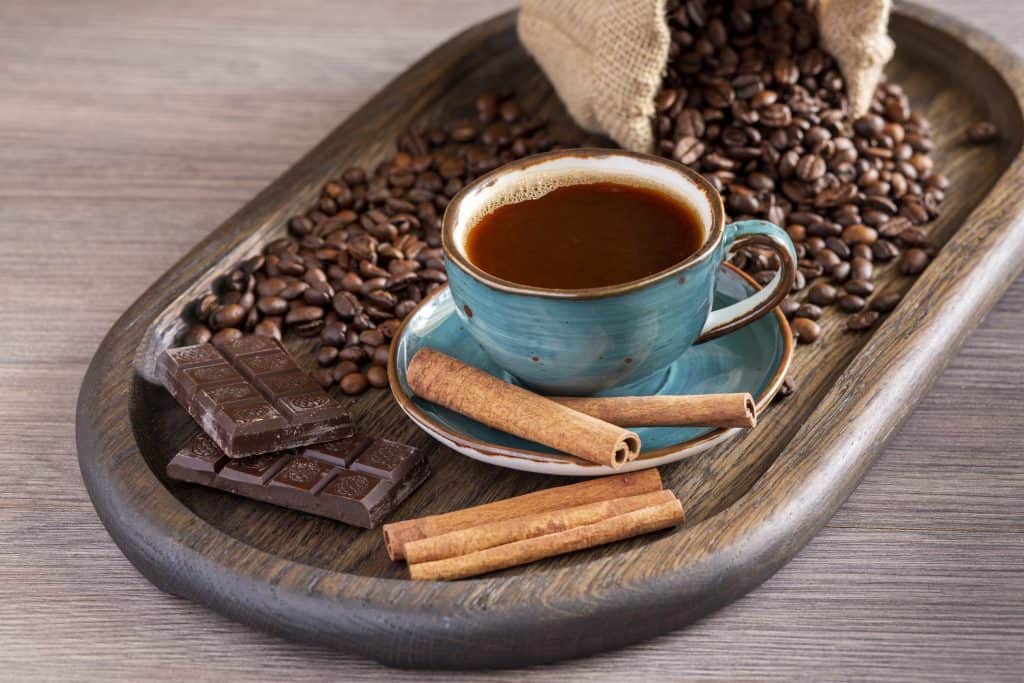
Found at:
(488, 449)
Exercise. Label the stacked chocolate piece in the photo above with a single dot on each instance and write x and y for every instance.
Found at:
(272, 434)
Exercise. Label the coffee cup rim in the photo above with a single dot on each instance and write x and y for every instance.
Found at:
(457, 255)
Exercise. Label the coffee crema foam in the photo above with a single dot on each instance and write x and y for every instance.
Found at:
(533, 182)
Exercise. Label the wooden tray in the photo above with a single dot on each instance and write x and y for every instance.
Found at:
(751, 504)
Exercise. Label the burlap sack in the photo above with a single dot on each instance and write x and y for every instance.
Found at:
(606, 57)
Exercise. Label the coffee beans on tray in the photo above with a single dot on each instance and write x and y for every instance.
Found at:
(351, 267)
(750, 101)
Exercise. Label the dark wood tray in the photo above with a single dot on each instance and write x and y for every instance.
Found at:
(751, 504)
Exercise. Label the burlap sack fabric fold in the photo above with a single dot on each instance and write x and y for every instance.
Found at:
(606, 57)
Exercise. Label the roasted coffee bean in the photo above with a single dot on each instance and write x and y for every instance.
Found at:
(863, 251)
(913, 237)
(380, 356)
(230, 315)
(827, 258)
(840, 272)
(196, 334)
(851, 303)
(293, 290)
(272, 305)
(318, 297)
(351, 282)
(841, 249)
(345, 367)
(404, 308)
(272, 286)
(786, 389)
(810, 167)
(808, 311)
(267, 328)
(372, 337)
(203, 307)
(822, 294)
(982, 132)
(382, 298)
(333, 334)
(346, 305)
(807, 331)
(243, 299)
(300, 226)
(859, 234)
(789, 307)
(324, 377)
(353, 353)
(913, 261)
(372, 284)
(688, 150)
(361, 322)
(354, 383)
(861, 268)
(859, 287)
(309, 328)
(861, 321)
(303, 314)
(886, 301)
(884, 251)
(327, 355)
(226, 336)
(377, 376)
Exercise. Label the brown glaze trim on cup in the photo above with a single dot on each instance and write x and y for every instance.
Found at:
(492, 450)
(711, 240)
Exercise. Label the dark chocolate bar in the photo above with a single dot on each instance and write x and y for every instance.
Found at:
(357, 480)
(250, 397)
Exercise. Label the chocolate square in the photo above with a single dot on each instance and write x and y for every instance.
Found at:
(263, 363)
(286, 382)
(213, 396)
(341, 452)
(387, 459)
(198, 462)
(304, 474)
(256, 469)
(356, 487)
(247, 345)
(312, 406)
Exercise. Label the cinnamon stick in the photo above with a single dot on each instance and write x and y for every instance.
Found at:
(399, 534)
(488, 535)
(704, 410)
(471, 392)
(619, 527)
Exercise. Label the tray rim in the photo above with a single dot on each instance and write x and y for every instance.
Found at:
(335, 609)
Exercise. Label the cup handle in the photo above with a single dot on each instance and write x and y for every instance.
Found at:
(725, 320)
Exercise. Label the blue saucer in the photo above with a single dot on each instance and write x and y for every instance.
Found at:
(753, 359)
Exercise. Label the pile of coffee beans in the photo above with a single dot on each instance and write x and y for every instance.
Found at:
(355, 264)
(752, 103)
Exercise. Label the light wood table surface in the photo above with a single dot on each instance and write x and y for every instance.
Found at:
(129, 130)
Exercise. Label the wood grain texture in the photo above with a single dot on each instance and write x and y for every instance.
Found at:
(144, 150)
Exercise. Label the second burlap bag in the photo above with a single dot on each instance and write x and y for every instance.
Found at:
(606, 58)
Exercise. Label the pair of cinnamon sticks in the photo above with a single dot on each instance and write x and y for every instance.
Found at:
(534, 526)
(589, 428)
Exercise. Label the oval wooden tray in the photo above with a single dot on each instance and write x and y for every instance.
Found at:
(751, 504)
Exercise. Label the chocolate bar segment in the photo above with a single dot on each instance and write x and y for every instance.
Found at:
(357, 480)
(250, 397)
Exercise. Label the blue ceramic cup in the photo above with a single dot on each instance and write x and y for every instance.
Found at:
(583, 341)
